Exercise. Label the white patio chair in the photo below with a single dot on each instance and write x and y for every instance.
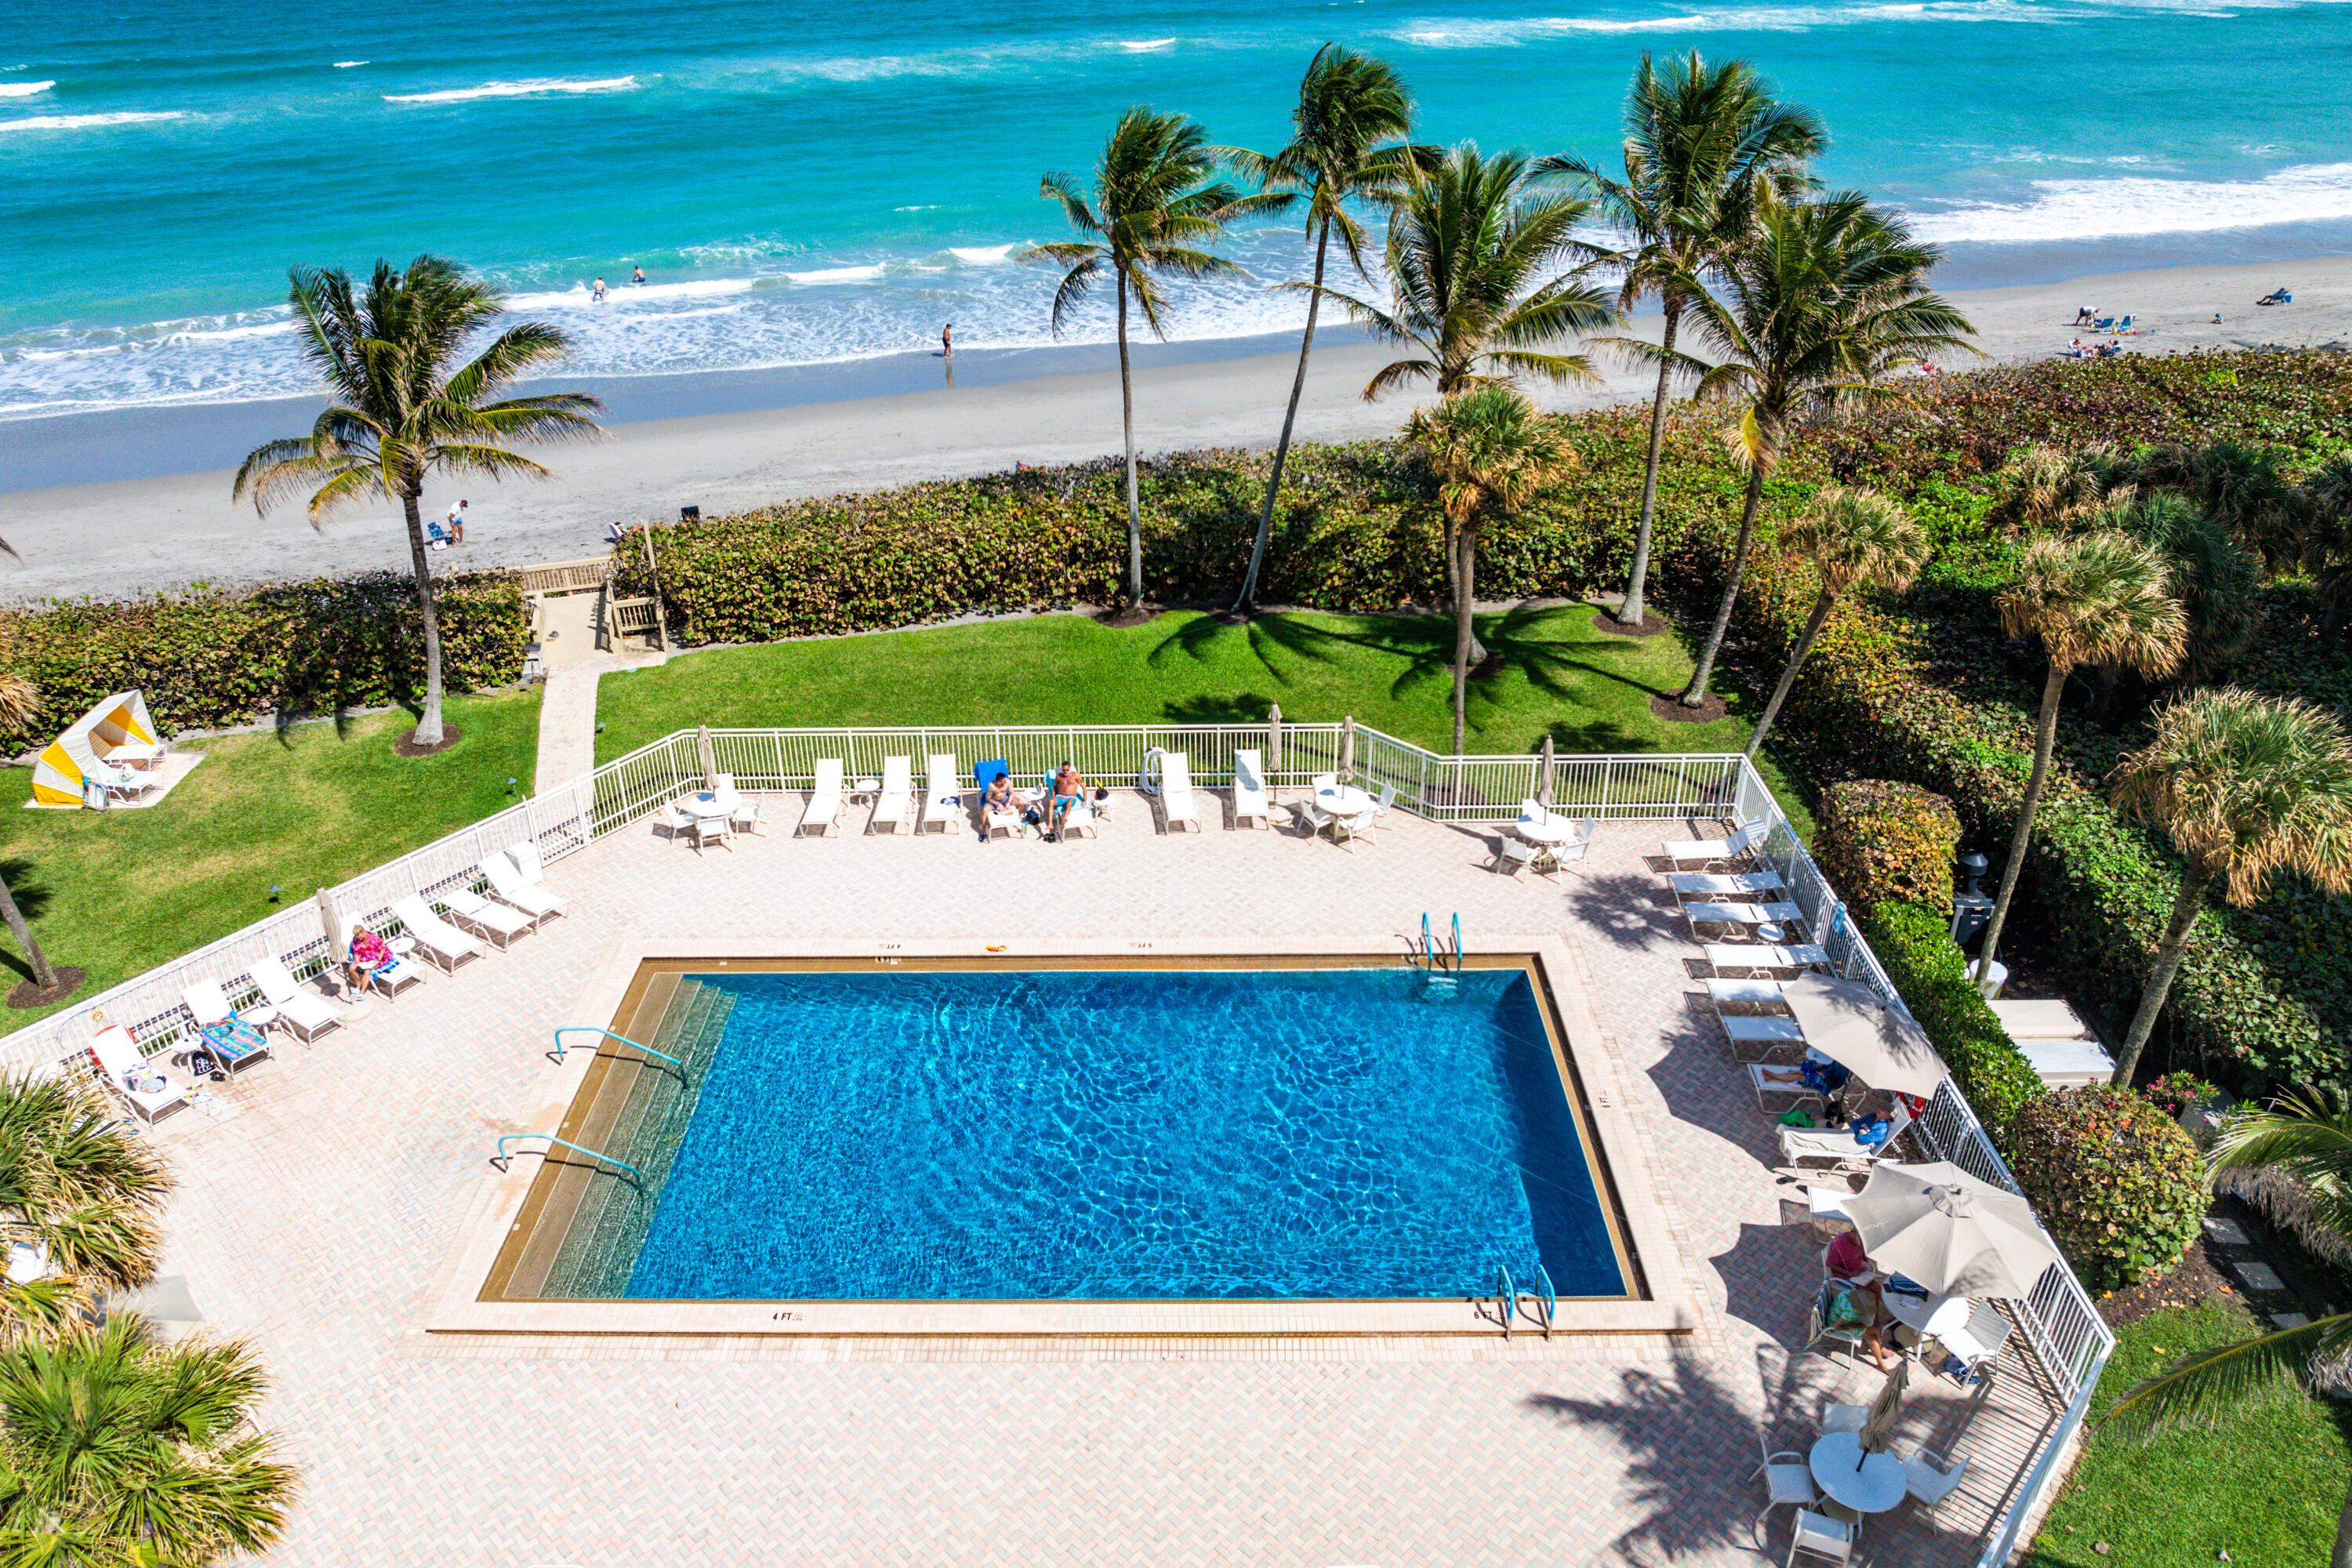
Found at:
(1724, 955)
(825, 799)
(1250, 803)
(680, 821)
(119, 1060)
(1515, 855)
(1176, 803)
(1978, 1343)
(1768, 1031)
(1759, 993)
(303, 1011)
(1820, 1536)
(506, 882)
(435, 938)
(1579, 847)
(742, 814)
(943, 799)
(1789, 1481)
(500, 922)
(897, 796)
(1728, 849)
(1930, 1484)
(710, 830)
(208, 1005)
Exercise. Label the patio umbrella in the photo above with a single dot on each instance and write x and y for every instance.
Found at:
(1543, 777)
(1273, 746)
(1347, 749)
(330, 920)
(710, 762)
(1944, 1228)
(1878, 1426)
(1847, 1023)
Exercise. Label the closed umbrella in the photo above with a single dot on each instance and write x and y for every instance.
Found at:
(1347, 749)
(330, 920)
(1939, 1226)
(709, 761)
(1543, 777)
(1273, 746)
(1878, 1426)
(1878, 1044)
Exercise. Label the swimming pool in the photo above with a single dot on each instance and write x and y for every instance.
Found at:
(1101, 1134)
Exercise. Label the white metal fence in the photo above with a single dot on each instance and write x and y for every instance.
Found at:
(2068, 1338)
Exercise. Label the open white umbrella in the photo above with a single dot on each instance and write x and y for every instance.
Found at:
(710, 761)
(1347, 749)
(1879, 1045)
(1936, 1225)
(1543, 777)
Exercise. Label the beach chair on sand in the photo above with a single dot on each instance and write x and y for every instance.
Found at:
(897, 796)
(124, 1067)
(1250, 803)
(2104, 323)
(943, 801)
(825, 799)
(1176, 803)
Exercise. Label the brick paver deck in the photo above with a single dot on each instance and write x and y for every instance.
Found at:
(323, 1196)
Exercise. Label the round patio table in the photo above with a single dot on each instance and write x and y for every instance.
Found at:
(1339, 804)
(1551, 828)
(1874, 1487)
(1932, 1316)
(705, 806)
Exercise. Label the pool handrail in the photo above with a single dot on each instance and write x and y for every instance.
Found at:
(1548, 1296)
(593, 1029)
(592, 1154)
(1506, 1297)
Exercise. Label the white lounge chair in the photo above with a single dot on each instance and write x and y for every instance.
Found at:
(2067, 1064)
(1763, 955)
(1250, 801)
(435, 937)
(944, 800)
(1176, 803)
(1729, 848)
(1764, 993)
(1799, 1144)
(1724, 884)
(2043, 1020)
(300, 1009)
(500, 922)
(507, 882)
(525, 857)
(1777, 1031)
(898, 797)
(993, 822)
(1738, 914)
(1079, 818)
(118, 1058)
(209, 1008)
(1788, 1091)
(825, 799)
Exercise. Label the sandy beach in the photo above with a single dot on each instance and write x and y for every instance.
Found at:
(133, 536)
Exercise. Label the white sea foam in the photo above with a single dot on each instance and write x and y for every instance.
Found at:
(1148, 44)
(346, 65)
(838, 275)
(984, 254)
(578, 296)
(81, 122)
(2091, 209)
(513, 90)
(1481, 33)
(24, 89)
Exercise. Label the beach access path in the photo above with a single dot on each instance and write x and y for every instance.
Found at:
(134, 536)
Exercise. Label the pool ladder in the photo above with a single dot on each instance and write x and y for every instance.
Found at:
(1545, 1301)
(1438, 964)
(566, 1142)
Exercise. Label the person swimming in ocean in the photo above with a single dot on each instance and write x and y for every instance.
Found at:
(597, 293)
(637, 276)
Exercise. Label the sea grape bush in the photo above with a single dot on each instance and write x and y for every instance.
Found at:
(1880, 839)
(2117, 1182)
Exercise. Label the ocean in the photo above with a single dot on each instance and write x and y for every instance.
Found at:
(810, 189)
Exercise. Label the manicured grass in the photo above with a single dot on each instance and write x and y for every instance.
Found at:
(1589, 689)
(122, 891)
(2265, 1486)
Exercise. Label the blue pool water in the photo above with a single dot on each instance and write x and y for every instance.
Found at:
(1104, 1134)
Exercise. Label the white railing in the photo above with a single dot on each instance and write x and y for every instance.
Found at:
(2068, 1338)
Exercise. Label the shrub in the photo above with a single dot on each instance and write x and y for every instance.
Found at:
(1880, 839)
(209, 660)
(2177, 1091)
(2117, 1181)
(1915, 944)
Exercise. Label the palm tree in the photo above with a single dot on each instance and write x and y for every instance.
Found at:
(1489, 448)
(2042, 488)
(1469, 248)
(2301, 1153)
(1347, 104)
(2247, 786)
(116, 1451)
(20, 700)
(1150, 213)
(2327, 552)
(2092, 598)
(1855, 538)
(397, 410)
(1818, 301)
(82, 1190)
(2219, 584)
(1698, 139)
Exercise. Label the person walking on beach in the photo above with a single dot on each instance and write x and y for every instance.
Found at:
(597, 293)
(457, 523)
(946, 339)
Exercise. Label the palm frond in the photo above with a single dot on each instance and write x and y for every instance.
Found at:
(2210, 1383)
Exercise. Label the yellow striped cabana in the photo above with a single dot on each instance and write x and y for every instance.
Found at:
(121, 720)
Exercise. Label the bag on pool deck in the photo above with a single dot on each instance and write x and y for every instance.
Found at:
(1799, 1117)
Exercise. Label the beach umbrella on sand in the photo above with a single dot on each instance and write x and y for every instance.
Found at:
(709, 761)
(1936, 1225)
(330, 920)
(1543, 777)
(1879, 1045)
(1347, 749)
(1273, 746)
(1878, 1426)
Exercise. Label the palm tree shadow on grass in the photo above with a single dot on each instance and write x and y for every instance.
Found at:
(1663, 1422)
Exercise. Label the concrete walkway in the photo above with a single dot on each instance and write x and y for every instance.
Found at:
(567, 715)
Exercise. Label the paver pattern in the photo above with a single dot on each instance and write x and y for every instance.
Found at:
(323, 1196)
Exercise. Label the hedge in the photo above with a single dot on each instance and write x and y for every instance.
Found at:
(1915, 945)
(210, 660)
(1882, 840)
(2120, 1185)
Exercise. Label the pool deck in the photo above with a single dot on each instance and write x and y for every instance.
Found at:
(326, 1199)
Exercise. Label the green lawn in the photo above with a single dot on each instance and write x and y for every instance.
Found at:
(2264, 1486)
(122, 891)
(1590, 689)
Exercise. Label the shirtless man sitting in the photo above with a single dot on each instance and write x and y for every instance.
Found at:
(1070, 789)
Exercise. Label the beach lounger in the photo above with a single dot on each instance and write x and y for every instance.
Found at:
(507, 882)
(500, 922)
(435, 937)
(1761, 992)
(1731, 848)
(525, 857)
(1250, 802)
(300, 1009)
(120, 1059)
(2045, 1020)
(2104, 323)
(1772, 1031)
(1725, 955)
(993, 822)
(1788, 1092)
(825, 799)
(1740, 914)
(944, 799)
(1176, 803)
(235, 1041)
(897, 796)
(1725, 884)
(1838, 1147)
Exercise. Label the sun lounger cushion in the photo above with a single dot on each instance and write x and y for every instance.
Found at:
(1724, 884)
(1763, 1028)
(121, 1063)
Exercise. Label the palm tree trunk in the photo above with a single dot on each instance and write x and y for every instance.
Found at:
(43, 975)
(2168, 954)
(2341, 1556)
(1813, 623)
(1127, 415)
(2045, 742)
(428, 728)
(1629, 612)
(1695, 692)
(1465, 548)
(1290, 416)
(1455, 584)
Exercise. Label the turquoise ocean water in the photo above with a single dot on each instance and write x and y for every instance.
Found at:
(815, 185)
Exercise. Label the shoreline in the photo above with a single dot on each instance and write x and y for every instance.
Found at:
(758, 437)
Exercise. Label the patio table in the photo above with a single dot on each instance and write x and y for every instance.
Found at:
(1340, 804)
(1932, 1316)
(1872, 1487)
